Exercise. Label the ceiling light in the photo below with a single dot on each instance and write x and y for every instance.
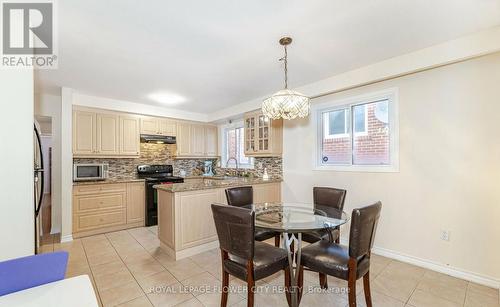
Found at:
(287, 104)
(167, 98)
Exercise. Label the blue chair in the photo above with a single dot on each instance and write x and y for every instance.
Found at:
(28, 272)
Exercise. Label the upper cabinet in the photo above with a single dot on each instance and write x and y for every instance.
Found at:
(158, 126)
(195, 140)
(263, 136)
(104, 134)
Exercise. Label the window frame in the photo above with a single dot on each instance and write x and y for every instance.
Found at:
(392, 96)
(223, 145)
(326, 127)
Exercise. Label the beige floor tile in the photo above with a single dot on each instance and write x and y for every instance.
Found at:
(397, 269)
(396, 287)
(143, 269)
(184, 268)
(207, 259)
(214, 299)
(138, 302)
(72, 272)
(138, 256)
(379, 300)
(113, 280)
(171, 296)
(270, 299)
(444, 286)
(108, 268)
(323, 299)
(482, 290)
(202, 283)
(191, 303)
(421, 298)
(156, 281)
(102, 259)
(120, 294)
(476, 299)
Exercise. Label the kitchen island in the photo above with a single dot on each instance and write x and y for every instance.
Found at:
(185, 223)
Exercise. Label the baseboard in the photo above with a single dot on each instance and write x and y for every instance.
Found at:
(438, 267)
(66, 238)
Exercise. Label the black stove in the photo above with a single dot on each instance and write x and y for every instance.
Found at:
(155, 174)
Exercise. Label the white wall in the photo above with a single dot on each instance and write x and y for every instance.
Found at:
(66, 164)
(449, 169)
(50, 105)
(16, 153)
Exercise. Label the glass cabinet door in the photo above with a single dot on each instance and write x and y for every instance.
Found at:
(263, 137)
(250, 134)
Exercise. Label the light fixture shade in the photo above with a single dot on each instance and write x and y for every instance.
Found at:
(286, 104)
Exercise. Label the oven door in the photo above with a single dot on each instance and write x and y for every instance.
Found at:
(152, 203)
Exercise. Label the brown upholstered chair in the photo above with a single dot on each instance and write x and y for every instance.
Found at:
(242, 256)
(346, 262)
(331, 201)
(243, 196)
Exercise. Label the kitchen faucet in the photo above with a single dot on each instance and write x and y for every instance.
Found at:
(237, 165)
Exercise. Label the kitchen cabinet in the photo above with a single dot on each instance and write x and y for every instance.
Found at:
(105, 207)
(183, 139)
(211, 145)
(158, 126)
(263, 136)
(129, 135)
(196, 140)
(107, 130)
(105, 134)
(136, 193)
(84, 135)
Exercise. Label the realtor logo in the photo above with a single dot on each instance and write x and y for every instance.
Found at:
(28, 34)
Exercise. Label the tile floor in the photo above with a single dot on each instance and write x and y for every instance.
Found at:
(128, 268)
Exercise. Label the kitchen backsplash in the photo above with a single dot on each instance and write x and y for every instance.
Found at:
(163, 154)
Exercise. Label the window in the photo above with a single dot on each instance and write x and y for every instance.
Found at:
(233, 147)
(358, 134)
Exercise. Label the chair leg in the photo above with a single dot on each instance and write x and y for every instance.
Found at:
(277, 240)
(323, 281)
(351, 283)
(288, 285)
(250, 284)
(366, 288)
(225, 288)
(300, 283)
(225, 281)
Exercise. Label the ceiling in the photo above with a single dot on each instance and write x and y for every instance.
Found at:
(220, 53)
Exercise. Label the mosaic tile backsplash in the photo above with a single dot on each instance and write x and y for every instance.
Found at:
(163, 154)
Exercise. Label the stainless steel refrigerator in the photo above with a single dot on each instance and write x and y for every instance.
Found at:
(38, 181)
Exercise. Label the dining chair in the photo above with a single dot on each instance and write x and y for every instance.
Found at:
(243, 196)
(331, 201)
(242, 256)
(346, 262)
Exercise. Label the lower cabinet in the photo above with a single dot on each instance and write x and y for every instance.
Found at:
(99, 208)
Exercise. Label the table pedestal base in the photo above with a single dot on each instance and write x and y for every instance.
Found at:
(290, 242)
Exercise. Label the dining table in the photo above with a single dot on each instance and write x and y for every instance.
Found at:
(291, 220)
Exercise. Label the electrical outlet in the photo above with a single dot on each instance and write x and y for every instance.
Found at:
(445, 235)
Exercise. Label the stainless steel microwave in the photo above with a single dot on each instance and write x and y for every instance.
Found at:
(90, 171)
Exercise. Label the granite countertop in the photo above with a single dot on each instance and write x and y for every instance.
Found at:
(109, 180)
(213, 184)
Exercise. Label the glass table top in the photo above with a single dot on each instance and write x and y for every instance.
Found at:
(296, 217)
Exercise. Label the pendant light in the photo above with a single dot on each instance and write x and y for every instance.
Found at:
(287, 103)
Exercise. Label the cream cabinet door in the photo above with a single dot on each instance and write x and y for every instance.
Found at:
(150, 125)
(183, 139)
(129, 135)
(197, 140)
(84, 134)
(168, 127)
(211, 141)
(107, 142)
(135, 202)
(267, 192)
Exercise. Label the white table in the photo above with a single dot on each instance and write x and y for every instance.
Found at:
(74, 292)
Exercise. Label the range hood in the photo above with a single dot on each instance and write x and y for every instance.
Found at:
(158, 139)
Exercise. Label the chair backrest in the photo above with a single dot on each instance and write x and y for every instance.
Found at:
(235, 229)
(325, 198)
(363, 227)
(239, 196)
